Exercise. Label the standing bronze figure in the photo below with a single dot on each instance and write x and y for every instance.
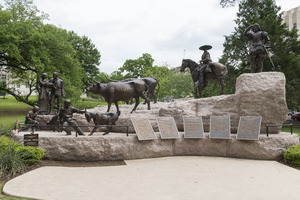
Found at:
(44, 96)
(57, 92)
(258, 51)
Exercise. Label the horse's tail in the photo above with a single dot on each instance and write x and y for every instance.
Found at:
(225, 71)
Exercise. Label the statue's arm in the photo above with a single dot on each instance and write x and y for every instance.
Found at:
(265, 36)
(206, 58)
(62, 88)
(246, 32)
(75, 110)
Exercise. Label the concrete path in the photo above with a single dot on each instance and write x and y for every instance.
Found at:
(170, 178)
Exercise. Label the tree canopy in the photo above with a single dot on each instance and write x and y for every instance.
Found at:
(136, 68)
(28, 48)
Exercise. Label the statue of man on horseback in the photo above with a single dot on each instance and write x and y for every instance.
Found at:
(204, 71)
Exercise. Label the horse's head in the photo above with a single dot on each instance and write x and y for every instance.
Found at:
(88, 117)
(184, 65)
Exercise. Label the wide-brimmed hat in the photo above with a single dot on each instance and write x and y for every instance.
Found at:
(205, 47)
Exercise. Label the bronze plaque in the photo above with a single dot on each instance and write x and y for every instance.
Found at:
(31, 140)
(143, 128)
(193, 127)
(249, 128)
(167, 128)
(219, 127)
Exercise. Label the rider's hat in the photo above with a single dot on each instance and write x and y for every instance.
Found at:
(205, 47)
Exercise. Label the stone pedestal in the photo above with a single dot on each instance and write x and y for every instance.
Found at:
(117, 146)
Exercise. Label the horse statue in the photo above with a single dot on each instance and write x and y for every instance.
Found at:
(219, 71)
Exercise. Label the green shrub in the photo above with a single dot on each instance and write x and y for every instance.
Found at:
(31, 154)
(292, 155)
(11, 162)
(6, 142)
(14, 157)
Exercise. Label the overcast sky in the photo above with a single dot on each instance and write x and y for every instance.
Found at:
(169, 30)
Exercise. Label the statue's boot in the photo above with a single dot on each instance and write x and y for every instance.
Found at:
(79, 131)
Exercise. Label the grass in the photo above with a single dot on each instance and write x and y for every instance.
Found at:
(10, 111)
(296, 129)
(4, 197)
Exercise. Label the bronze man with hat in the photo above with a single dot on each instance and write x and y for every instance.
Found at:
(205, 63)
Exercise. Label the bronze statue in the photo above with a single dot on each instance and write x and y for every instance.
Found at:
(258, 50)
(150, 82)
(219, 71)
(44, 96)
(66, 117)
(121, 91)
(30, 119)
(57, 92)
(102, 119)
(205, 64)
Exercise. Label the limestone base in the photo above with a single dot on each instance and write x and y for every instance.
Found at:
(118, 146)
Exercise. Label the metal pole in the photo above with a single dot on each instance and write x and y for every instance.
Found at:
(267, 131)
(32, 129)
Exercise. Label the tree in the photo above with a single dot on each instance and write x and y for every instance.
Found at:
(29, 46)
(284, 43)
(173, 84)
(87, 55)
(227, 3)
(136, 68)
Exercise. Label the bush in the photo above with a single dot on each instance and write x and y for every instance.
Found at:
(292, 155)
(11, 162)
(14, 157)
(31, 154)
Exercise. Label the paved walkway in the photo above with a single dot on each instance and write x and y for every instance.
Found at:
(171, 178)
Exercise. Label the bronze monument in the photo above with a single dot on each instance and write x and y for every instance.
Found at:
(66, 118)
(30, 119)
(108, 118)
(258, 50)
(44, 96)
(204, 72)
(121, 91)
(57, 92)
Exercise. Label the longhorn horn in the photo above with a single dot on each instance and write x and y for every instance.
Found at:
(110, 79)
(95, 80)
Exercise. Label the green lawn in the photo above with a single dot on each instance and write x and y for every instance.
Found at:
(11, 110)
(296, 129)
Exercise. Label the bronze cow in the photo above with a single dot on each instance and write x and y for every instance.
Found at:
(121, 91)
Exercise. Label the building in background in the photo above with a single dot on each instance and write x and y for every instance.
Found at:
(20, 89)
(292, 19)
